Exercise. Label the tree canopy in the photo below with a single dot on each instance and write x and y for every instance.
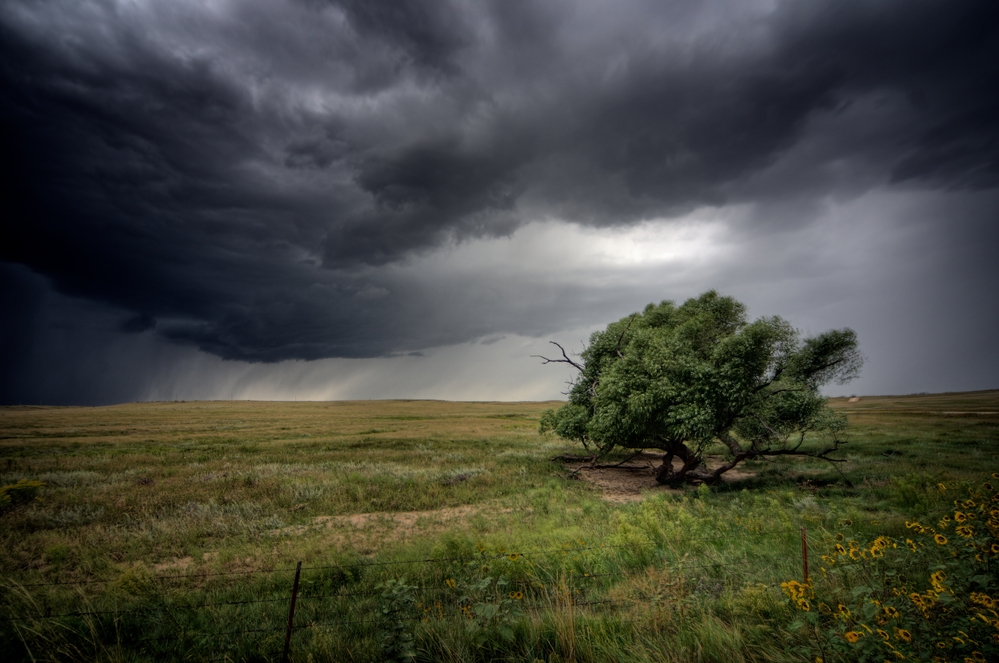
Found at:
(681, 378)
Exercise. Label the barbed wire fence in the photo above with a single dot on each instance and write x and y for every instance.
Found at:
(295, 606)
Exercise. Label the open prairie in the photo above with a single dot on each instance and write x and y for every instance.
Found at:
(435, 531)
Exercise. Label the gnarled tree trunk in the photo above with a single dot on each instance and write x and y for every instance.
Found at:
(665, 474)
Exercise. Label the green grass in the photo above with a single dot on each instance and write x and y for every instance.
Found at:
(135, 493)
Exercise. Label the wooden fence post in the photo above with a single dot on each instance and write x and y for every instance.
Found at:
(291, 614)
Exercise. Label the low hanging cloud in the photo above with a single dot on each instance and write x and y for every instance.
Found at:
(270, 181)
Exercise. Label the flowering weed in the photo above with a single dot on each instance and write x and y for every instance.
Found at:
(928, 596)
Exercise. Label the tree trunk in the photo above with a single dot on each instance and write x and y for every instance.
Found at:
(665, 474)
(665, 470)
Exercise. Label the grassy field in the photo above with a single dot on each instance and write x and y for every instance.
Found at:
(170, 531)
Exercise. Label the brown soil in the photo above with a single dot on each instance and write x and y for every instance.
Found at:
(636, 479)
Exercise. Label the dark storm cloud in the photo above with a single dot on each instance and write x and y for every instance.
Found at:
(243, 179)
(430, 34)
(693, 126)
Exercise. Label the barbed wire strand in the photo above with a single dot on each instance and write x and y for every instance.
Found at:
(578, 576)
(481, 556)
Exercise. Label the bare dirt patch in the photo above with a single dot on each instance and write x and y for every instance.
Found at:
(175, 564)
(399, 520)
(636, 479)
(401, 524)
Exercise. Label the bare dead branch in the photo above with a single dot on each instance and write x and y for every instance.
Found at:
(626, 460)
(565, 358)
(565, 458)
(617, 348)
(836, 467)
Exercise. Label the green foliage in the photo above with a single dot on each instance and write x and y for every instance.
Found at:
(681, 378)
(136, 581)
(395, 610)
(491, 606)
(932, 595)
(21, 492)
(912, 494)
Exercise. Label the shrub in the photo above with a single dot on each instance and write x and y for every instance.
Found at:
(21, 492)
(396, 601)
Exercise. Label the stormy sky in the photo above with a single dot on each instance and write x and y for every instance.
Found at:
(356, 199)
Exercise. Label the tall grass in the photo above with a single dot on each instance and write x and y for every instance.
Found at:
(135, 495)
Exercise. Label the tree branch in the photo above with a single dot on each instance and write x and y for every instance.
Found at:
(626, 460)
(617, 348)
(732, 444)
(713, 476)
(776, 376)
(566, 458)
(716, 474)
(779, 391)
(776, 436)
(565, 358)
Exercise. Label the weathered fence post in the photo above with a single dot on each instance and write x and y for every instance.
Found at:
(804, 552)
(291, 614)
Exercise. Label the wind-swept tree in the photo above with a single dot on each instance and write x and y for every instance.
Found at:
(678, 379)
